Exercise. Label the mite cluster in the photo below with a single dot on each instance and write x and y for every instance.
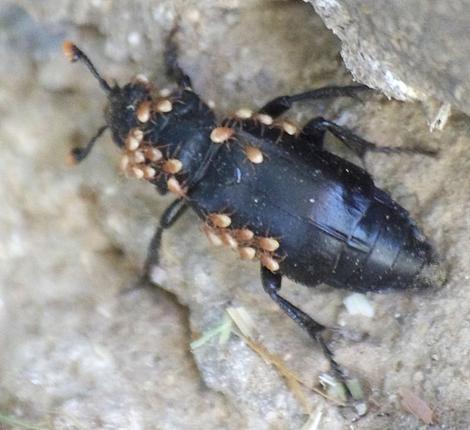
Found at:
(244, 240)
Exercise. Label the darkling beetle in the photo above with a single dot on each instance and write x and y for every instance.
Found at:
(267, 189)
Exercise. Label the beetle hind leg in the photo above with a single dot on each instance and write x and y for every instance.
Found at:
(272, 284)
(281, 104)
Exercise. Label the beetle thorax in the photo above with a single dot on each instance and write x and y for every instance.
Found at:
(163, 136)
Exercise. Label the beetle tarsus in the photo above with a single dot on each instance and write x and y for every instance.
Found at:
(316, 128)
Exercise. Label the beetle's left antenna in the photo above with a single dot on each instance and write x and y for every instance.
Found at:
(74, 53)
(78, 154)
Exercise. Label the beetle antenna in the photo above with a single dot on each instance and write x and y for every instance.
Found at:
(79, 154)
(74, 53)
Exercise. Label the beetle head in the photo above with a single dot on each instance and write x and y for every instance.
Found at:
(123, 103)
(120, 112)
(127, 115)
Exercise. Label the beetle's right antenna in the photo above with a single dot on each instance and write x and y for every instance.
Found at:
(74, 53)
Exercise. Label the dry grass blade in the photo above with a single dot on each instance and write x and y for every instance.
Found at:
(244, 323)
(293, 381)
(314, 419)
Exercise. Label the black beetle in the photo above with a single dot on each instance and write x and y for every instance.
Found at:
(267, 189)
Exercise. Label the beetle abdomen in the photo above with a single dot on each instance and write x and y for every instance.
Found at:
(332, 224)
(393, 252)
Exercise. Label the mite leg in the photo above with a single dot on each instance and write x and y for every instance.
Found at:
(281, 104)
(169, 217)
(272, 284)
(317, 127)
(173, 70)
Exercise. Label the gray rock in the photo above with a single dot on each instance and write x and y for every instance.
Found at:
(414, 50)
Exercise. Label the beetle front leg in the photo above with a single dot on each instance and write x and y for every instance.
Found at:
(173, 69)
(317, 127)
(169, 217)
(281, 104)
(272, 284)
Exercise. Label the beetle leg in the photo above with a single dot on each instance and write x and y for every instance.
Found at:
(281, 104)
(173, 69)
(317, 127)
(169, 217)
(272, 284)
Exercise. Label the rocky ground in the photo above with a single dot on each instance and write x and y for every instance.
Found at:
(81, 349)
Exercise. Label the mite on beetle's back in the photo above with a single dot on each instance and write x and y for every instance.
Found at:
(267, 189)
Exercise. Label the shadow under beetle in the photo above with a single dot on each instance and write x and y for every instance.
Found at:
(267, 189)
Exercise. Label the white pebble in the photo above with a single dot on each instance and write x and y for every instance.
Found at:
(358, 304)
